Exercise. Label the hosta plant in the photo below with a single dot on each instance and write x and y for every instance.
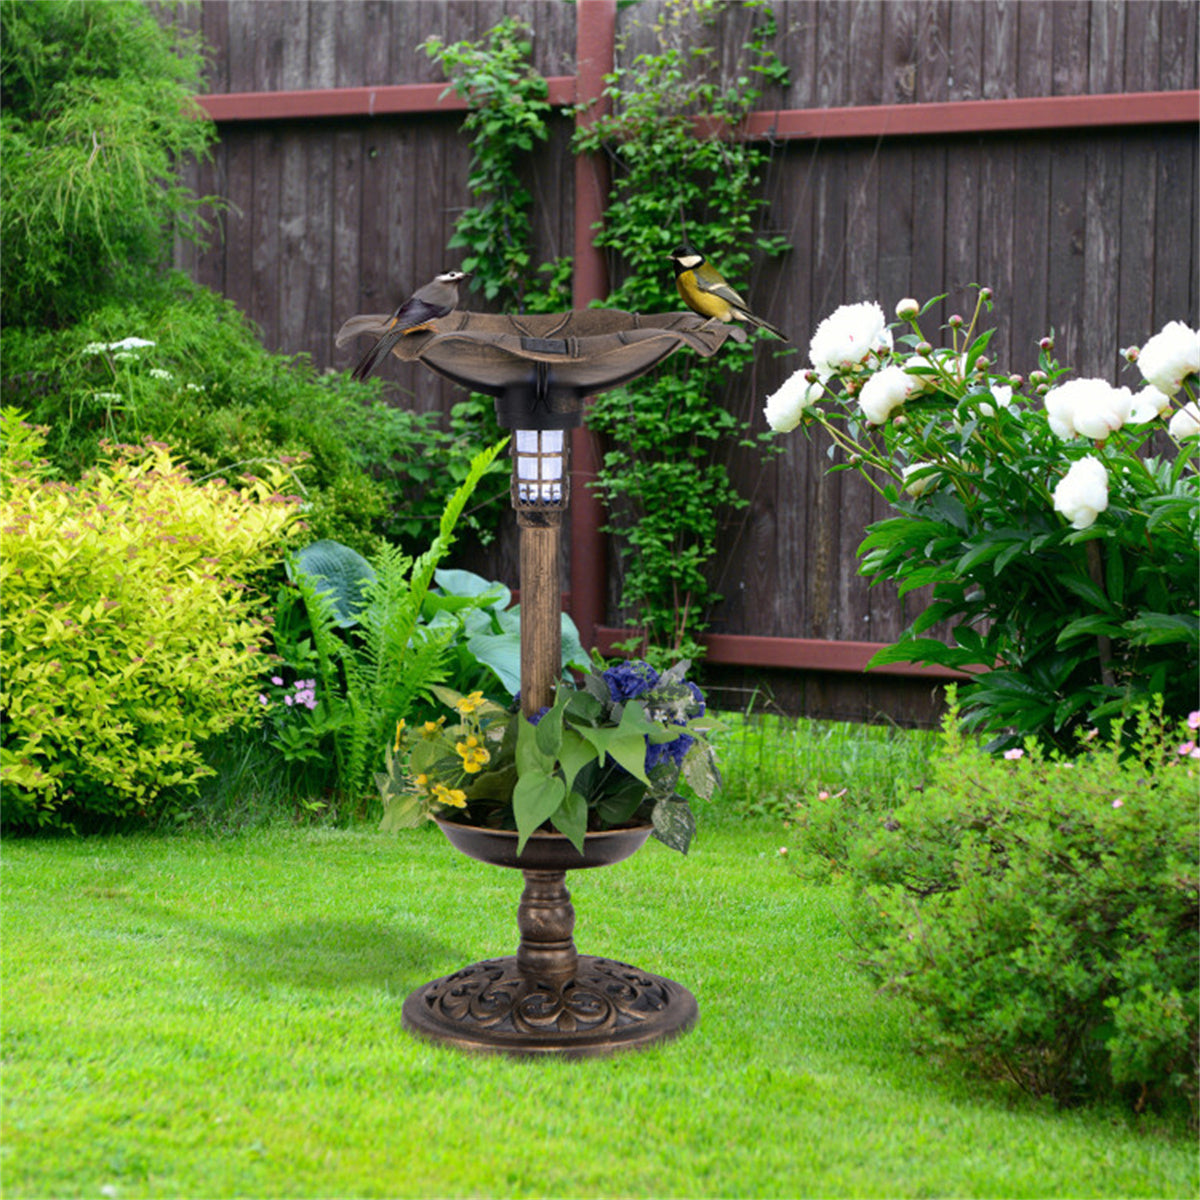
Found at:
(1055, 520)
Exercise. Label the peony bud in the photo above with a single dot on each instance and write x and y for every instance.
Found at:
(955, 322)
(1047, 343)
(907, 309)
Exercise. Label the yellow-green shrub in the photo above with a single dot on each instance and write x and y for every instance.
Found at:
(130, 632)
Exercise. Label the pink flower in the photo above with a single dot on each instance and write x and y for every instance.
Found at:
(1118, 803)
(1194, 720)
(1015, 753)
(1186, 749)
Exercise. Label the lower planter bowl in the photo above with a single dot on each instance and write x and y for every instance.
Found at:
(544, 851)
(547, 999)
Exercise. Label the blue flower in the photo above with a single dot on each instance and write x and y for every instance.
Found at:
(628, 680)
(658, 753)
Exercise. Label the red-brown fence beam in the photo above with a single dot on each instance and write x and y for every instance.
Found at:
(802, 654)
(977, 116)
(303, 105)
(880, 120)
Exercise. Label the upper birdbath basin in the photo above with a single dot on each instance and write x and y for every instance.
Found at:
(540, 367)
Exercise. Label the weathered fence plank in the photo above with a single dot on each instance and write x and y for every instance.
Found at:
(1091, 231)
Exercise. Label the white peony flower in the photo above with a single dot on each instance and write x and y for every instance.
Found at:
(883, 393)
(927, 380)
(1185, 423)
(786, 407)
(1002, 394)
(1082, 493)
(847, 336)
(1170, 356)
(1090, 408)
(1148, 404)
(918, 487)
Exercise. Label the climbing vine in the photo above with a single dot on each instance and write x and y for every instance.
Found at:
(670, 435)
(507, 119)
(665, 475)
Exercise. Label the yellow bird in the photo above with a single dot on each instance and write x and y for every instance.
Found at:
(705, 291)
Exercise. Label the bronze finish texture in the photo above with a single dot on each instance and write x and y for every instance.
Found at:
(547, 998)
(541, 366)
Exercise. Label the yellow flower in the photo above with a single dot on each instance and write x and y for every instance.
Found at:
(452, 796)
(399, 731)
(469, 703)
(430, 728)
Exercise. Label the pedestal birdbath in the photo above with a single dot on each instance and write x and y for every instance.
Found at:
(547, 998)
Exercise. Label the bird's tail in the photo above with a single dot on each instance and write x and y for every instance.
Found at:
(761, 324)
(373, 357)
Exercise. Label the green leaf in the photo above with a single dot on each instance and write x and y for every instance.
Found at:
(1086, 590)
(913, 650)
(571, 819)
(1093, 625)
(674, 824)
(338, 572)
(626, 744)
(530, 757)
(1160, 629)
(701, 771)
(536, 798)
(549, 730)
(574, 754)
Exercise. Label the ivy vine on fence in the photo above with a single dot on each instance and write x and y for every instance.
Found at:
(665, 475)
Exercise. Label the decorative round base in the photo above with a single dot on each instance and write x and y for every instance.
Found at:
(605, 1006)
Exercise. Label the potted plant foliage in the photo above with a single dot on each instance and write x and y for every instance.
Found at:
(609, 753)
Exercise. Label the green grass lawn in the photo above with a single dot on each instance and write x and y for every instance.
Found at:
(220, 1016)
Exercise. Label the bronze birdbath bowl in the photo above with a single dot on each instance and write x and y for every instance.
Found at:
(540, 368)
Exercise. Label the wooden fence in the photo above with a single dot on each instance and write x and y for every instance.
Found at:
(1047, 148)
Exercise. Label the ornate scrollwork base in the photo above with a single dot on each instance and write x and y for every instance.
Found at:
(497, 1006)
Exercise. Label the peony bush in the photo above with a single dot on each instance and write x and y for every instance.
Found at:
(1055, 521)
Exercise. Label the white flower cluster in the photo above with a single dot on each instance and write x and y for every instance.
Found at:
(844, 341)
(123, 348)
(1093, 408)
(854, 340)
